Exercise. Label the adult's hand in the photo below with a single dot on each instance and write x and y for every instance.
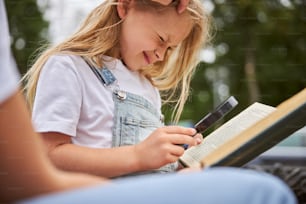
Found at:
(180, 8)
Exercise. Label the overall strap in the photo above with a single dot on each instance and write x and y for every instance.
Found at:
(103, 74)
(106, 77)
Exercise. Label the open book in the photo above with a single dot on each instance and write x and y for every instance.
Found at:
(250, 133)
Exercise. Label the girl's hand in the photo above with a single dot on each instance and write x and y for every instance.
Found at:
(199, 138)
(163, 146)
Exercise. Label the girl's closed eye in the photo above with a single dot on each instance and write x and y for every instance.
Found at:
(161, 39)
(163, 42)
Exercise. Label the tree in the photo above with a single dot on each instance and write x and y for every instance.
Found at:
(28, 30)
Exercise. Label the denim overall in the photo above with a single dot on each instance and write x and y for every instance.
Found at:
(135, 118)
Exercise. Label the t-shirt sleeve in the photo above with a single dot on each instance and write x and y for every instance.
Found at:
(8, 72)
(58, 97)
(8, 78)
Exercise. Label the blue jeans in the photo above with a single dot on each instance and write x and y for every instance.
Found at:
(212, 186)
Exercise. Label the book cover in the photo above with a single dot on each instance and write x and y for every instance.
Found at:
(248, 134)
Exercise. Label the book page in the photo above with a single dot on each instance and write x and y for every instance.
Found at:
(228, 130)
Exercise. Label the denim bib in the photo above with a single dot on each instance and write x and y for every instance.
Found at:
(135, 118)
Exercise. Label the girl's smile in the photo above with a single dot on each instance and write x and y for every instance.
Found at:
(146, 57)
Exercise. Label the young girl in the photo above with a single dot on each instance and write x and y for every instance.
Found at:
(95, 97)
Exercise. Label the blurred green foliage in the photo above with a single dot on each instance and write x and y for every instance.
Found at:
(28, 30)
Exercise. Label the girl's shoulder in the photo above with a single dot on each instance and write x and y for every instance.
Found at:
(65, 62)
(66, 59)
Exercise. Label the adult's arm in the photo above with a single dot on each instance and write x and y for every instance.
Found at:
(25, 169)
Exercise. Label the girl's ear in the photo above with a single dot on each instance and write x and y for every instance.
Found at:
(122, 7)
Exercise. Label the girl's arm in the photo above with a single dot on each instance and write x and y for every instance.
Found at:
(25, 169)
(157, 150)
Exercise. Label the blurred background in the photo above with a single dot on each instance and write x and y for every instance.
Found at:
(258, 52)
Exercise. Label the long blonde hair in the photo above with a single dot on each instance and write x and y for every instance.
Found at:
(99, 34)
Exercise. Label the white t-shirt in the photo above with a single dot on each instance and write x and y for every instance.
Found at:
(8, 72)
(71, 100)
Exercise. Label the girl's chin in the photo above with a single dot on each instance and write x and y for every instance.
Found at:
(136, 67)
(133, 68)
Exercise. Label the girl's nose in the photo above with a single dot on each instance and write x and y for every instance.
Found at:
(160, 53)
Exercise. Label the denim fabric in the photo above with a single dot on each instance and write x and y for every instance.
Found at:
(135, 119)
(211, 186)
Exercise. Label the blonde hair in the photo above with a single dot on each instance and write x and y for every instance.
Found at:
(99, 34)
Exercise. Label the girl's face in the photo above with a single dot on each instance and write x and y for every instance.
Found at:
(147, 35)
